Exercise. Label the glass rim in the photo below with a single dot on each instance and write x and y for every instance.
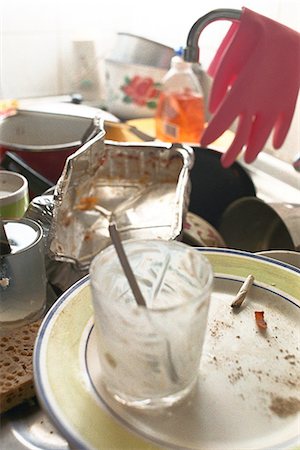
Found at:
(205, 289)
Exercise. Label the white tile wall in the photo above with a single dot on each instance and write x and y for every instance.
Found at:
(28, 71)
(36, 36)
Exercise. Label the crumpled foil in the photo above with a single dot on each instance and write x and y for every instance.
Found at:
(145, 187)
(60, 275)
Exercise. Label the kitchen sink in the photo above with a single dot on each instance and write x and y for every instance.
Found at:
(275, 180)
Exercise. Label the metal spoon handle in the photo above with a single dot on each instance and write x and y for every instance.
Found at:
(115, 237)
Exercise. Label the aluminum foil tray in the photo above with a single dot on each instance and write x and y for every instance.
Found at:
(146, 187)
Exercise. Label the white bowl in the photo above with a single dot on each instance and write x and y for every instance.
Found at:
(132, 90)
(132, 49)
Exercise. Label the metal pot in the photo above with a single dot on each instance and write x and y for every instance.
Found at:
(43, 137)
(253, 225)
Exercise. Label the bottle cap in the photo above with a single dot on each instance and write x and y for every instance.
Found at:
(178, 63)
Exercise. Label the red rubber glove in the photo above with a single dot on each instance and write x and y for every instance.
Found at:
(257, 78)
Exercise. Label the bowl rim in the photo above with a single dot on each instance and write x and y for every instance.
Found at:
(133, 65)
(145, 39)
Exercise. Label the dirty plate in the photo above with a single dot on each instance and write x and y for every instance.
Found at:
(247, 395)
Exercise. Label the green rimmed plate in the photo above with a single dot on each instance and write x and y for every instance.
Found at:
(247, 396)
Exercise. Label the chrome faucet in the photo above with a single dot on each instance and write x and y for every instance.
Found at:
(191, 52)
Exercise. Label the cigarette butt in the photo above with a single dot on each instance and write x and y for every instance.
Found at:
(241, 295)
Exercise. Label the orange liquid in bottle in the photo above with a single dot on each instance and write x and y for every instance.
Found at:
(180, 117)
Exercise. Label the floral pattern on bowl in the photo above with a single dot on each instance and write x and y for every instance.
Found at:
(143, 91)
(132, 90)
(197, 231)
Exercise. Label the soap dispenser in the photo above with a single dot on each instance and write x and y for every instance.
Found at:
(180, 111)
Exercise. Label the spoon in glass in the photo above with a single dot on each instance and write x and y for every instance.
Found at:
(115, 237)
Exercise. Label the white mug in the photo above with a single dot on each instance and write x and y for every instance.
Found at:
(14, 197)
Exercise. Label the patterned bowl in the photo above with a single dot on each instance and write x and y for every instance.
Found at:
(198, 232)
(132, 90)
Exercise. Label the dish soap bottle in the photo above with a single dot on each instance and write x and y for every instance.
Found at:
(180, 111)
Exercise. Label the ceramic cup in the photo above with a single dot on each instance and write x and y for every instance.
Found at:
(14, 198)
(149, 356)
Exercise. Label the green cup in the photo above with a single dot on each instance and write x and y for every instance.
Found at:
(14, 198)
